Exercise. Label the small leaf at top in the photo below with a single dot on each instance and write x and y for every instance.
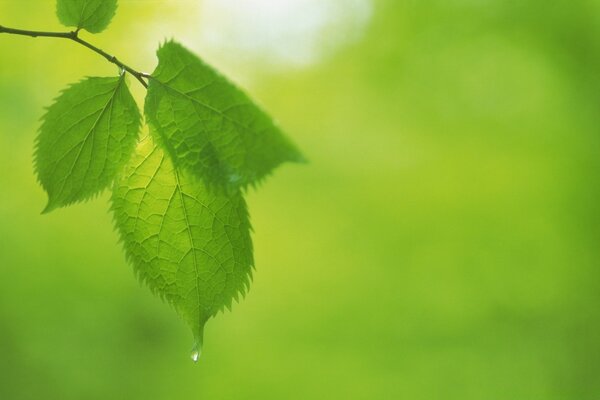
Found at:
(91, 15)
(208, 126)
(86, 137)
(190, 245)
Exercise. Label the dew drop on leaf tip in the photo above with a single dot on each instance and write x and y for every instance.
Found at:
(196, 351)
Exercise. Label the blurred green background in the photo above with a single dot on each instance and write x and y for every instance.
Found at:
(441, 244)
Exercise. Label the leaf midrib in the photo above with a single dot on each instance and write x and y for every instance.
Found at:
(92, 129)
(207, 106)
(191, 239)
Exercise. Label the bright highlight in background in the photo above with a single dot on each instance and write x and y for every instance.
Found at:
(282, 33)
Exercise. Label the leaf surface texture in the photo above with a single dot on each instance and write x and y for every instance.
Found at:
(210, 127)
(86, 137)
(92, 15)
(190, 245)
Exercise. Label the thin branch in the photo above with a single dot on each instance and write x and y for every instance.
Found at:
(74, 36)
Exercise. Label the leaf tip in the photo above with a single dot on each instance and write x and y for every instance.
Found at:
(51, 206)
(299, 158)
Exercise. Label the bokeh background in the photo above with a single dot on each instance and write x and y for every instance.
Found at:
(441, 244)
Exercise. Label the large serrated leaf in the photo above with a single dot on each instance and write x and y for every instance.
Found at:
(86, 137)
(91, 15)
(210, 127)
(190, 245)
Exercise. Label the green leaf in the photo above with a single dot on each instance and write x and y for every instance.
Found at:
(210, 127)
(91, 15)
(86, 137)
(190, 245)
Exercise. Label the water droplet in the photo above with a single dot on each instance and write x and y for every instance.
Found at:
(196, 352)
(198, 340)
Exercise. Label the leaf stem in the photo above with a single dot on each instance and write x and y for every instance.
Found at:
(74, 36)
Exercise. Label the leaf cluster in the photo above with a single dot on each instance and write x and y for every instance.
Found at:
(177, 193)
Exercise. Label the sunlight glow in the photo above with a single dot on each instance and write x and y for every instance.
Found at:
(282, 33)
